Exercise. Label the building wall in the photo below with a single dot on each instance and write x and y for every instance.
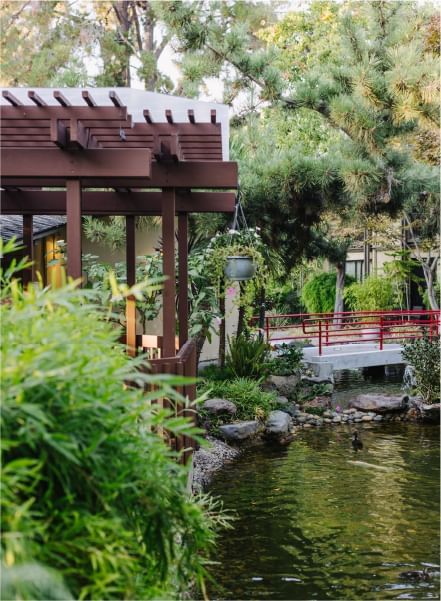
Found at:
(146, 242)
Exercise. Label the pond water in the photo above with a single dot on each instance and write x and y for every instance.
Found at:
(317, 520)
(351, 382)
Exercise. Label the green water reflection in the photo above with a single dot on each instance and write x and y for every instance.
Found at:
(315, 522)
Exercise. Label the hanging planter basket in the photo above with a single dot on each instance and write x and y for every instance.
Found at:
(240, 269)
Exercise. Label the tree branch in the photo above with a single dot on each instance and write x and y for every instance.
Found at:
(161, 46)
(137, 28)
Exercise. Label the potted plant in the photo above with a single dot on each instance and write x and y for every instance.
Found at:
(240, 268)
(236, 253)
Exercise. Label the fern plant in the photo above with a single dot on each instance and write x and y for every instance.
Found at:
(247, 357)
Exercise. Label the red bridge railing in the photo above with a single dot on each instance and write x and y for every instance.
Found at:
(330, 329)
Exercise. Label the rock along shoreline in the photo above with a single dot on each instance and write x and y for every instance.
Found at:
(283, 423)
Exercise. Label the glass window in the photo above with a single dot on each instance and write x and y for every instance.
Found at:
(355, 269)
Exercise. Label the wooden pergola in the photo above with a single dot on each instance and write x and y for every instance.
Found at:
(60, 157)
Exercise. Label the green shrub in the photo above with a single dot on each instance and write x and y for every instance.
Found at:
(310, 391)
(251, 401)
(214, 372)
(424, 356)
(426, 300)
(247, 357)
(315, 410)
(375, 293)
(89, 489)
(287, 362)
(283, 299)
(32, 581)
(318, 294)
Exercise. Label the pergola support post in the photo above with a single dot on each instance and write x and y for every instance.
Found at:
(183, 277)
(28, 251)
(73, 228)
(169, 292)
(131, 280)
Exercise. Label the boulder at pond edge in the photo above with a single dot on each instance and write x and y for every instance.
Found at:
(278, 423)
(219, 407)
(240, 430)
(379, 403)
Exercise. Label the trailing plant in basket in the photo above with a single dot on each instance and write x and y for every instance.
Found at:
(424, 356)
(234, 243)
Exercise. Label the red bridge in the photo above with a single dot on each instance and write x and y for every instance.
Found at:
(377, 328)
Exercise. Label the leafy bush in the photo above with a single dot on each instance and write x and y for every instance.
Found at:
(315, 410)
(287, 362)
(318, 294)
(214, 372)
(283, 299)
(32, 581)
(375, 293)
(89, 489)
(251, 401)
(424, 356)
(247, 357)
(309, 392)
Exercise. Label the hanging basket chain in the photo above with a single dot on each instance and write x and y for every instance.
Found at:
(240, 222)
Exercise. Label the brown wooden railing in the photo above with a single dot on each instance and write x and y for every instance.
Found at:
(183, 364)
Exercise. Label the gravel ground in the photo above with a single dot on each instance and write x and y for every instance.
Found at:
(209, 459)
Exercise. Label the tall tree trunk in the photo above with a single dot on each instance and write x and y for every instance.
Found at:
(121, 8)
(339, 286)
(429, 271)
(200, 341)
(222, 324)
(262, 309)
(241, 316)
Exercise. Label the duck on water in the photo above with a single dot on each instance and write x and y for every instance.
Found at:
(356, 442)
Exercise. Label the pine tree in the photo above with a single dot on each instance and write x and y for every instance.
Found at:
(379, 91)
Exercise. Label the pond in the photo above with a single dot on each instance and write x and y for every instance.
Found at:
(317, 520)
(351, 382)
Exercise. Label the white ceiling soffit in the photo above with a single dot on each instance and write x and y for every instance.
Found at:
(137, 101)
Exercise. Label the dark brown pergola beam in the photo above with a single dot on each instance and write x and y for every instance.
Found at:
(167, 148)
(11, 98)
(168, 267)
(37, 202)
(21, 126)
(116, 99)
(93, 164)
(77, 136)
(131, 281)
(58, 133)
(28, 250)
(61, 99)
(186, 174)
(183, 308)
(73, 228)
(10, 113)
(36, 99)
(88, 99)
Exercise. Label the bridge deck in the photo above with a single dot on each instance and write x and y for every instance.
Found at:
(351, 356)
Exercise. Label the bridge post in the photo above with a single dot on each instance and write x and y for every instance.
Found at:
(381, 332)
